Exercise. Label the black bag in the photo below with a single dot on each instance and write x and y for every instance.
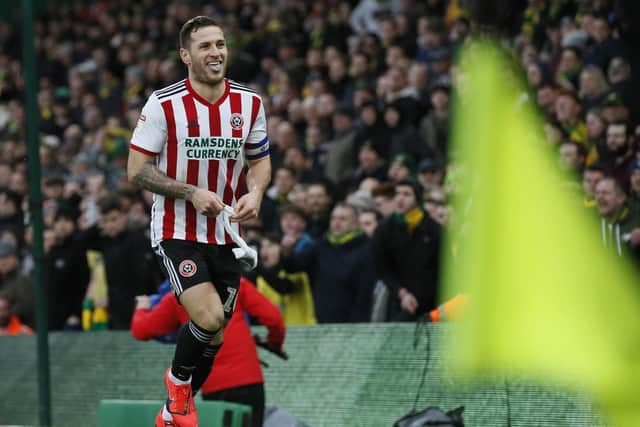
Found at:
(432, 416)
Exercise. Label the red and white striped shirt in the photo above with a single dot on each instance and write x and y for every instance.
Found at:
(203, 144)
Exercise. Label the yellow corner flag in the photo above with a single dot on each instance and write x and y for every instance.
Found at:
(546, 299)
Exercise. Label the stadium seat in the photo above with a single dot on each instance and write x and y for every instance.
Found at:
(141, 413)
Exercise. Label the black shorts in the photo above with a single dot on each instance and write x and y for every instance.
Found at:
(187, 263)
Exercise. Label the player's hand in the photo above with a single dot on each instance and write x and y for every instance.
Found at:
(247, 207)
(206, 202)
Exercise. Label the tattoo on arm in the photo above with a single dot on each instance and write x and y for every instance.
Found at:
(150, 178)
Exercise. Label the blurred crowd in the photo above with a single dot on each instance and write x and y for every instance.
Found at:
(357, 95)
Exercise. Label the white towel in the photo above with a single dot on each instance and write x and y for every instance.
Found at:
(247, 256)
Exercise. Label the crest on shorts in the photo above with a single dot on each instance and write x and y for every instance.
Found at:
(187, 268)
(236, 121)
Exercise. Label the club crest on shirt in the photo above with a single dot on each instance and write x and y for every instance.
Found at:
(236, 121)
(187, 268)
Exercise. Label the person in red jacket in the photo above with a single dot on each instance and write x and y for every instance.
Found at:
(236, 375)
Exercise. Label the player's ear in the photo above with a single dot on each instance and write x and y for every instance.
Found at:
(185, 56)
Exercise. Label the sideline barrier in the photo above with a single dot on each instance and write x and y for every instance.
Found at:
(362, 375)
(142, 413)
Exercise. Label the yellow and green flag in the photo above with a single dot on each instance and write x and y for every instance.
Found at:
(546, 299)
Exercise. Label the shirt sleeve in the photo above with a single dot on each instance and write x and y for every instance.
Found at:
(257, 144)
(160, 320)
(150, 133)
(258, 306)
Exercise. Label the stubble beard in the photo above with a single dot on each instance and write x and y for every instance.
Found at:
(202, 76)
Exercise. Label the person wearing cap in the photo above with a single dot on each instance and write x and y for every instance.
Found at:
(402, 167)
(406, 248)
(430, 174)
(614, 108)
(15, 285)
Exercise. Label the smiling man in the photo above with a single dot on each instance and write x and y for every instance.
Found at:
(189, 148)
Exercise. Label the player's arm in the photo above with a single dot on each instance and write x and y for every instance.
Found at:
(148, 140)
(259, 175)
(258, 178)
(142, 172)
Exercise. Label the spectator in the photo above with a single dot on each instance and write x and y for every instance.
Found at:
(11, 216)
(406, 255)
(15, 285)
(572, 157)
(370, 164)
(590, 178)
(66, 272)
(284, 182)
(634, 192)
(593, 86)
(404, 138)
(567, 109)
(293, 223)
(130, 265)
(605, 46)
(568, 68)
(434, 127)
(368, 220)
(341, 151)
(620, 229)
(383, 197)
(288, 289)
(341, 270)
(402, 167)
(318, 206)
(596, 127)
(617, 155)
(235, 375)
(430, 174)
(295, 159)
(619, 75)
(10, 324)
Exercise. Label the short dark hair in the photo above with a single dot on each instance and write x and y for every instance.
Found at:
(385, 189)
(294, 210)
(191, 26)
(377, 214)
(108, 203)
(415, 187)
